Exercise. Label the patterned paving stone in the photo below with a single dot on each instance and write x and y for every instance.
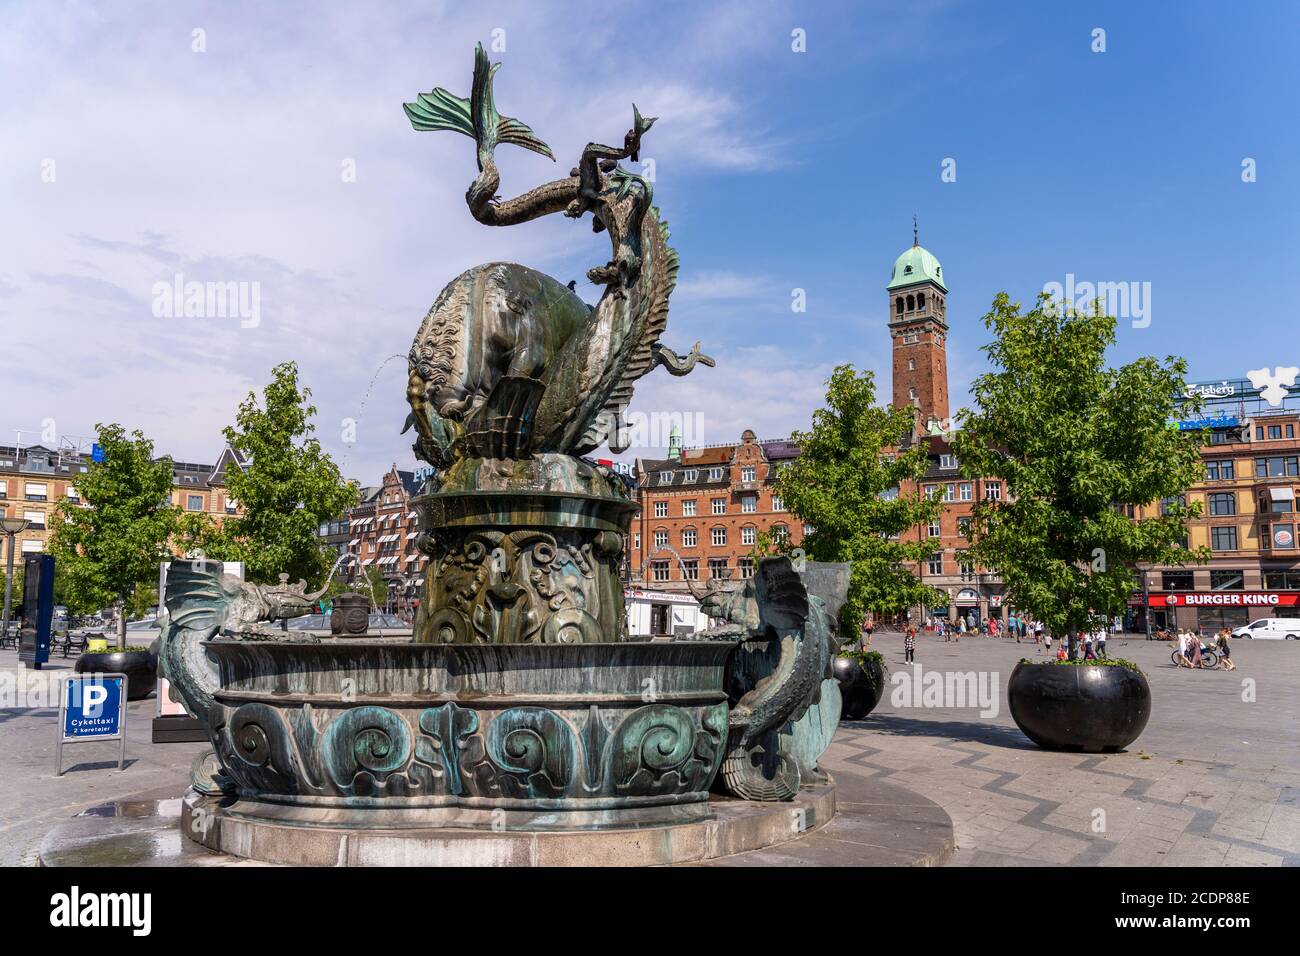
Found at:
(1223, 792)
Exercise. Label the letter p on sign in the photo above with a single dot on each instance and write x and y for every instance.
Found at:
(92, 699)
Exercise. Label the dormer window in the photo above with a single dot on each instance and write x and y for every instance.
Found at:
(665, 477)
(690, 475)
(715, 474)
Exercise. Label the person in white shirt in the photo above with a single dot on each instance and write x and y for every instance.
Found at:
(1184, 649)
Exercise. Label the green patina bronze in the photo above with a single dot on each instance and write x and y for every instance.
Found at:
(520, 703)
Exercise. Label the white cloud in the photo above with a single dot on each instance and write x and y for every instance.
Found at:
(226, 166)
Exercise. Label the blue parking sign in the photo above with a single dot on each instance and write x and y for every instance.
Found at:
(93, 708)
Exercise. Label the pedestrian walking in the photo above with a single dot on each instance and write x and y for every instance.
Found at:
(1101, 643)
(1223, 641)
(909, 645)
(1086, 637)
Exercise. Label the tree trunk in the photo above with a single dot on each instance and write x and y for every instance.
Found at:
(121, 625)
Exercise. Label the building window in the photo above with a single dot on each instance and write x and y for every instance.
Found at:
(661, 539)
(688, 508)
(4, 489)
(691, 570)
(964, 566)
(691, 474)
(1278, 467)
(963, 527)
(777, 503)
(636, 541)
(32, 546)
(1274, 432)
(1282, 580)
(948, 462)
(1227, 580)
(659, 570)
(1223, 539)
(1223, 470)
(715, 474)
(665, 477)
(36, 519)
(932, 530)
(719, 506)
(1223, 503)
(688, 538)
(748, 473)
(911, 393)
(1282, 537)
(661, 509)
(746, 567)
(964, 491)
(718, 537)
(1176, 581)
(911, 365)
(780, 533)
(993, 490)
(193, 502)
(717, 567)
(748, 534)
(749, 504)
(34, 491)
(950, 492)
(935, 564)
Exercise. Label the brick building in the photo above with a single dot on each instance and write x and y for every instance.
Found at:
(381, 533)
(34, 479)
(702, 510)
(1248, 521)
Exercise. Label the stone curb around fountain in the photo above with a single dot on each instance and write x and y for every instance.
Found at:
(871, 823)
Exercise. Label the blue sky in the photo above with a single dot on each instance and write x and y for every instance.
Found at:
(777, 170)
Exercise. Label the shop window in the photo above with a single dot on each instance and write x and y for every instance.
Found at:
(1176, 581)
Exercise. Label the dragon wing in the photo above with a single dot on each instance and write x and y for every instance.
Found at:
(782, 596)
(199, 594)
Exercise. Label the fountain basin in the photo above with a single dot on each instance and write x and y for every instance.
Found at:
(380, 734)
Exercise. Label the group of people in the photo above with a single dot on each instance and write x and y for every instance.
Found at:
(1189, 648)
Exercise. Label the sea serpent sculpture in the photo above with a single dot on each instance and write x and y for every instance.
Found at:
(520, 702)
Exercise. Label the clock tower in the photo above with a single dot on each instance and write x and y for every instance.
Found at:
(918, 325)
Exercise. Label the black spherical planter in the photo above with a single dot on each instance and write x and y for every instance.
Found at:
(1082, 707)
(140, 668)
(861, 685)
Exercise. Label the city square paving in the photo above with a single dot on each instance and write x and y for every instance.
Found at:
(1214, 779)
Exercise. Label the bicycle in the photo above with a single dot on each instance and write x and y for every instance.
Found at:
(1209, 658)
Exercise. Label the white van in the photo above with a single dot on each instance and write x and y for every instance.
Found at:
(1271, 628)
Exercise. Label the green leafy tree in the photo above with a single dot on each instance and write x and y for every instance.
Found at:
(1079, 447)
(107, 552)
(854, 483)
(289, 487)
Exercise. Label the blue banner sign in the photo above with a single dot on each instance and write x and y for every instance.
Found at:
(1216, 420)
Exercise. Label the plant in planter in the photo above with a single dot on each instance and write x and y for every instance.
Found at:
(861, 676)
(1085, 705)
(137, 662)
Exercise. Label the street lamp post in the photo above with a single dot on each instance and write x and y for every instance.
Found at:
(12, 527)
